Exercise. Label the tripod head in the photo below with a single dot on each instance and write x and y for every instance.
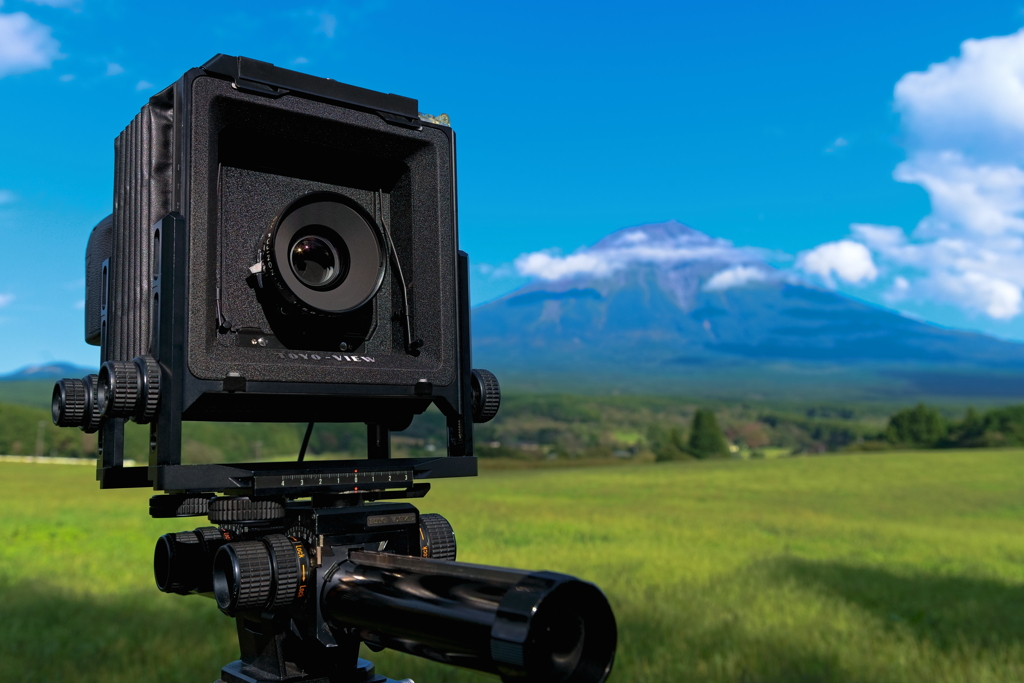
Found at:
(307, 583)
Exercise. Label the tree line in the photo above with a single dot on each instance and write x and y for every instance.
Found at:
(925, 427)
(546, 426)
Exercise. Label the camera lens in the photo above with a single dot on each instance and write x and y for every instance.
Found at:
(325, 254)
(315, 261)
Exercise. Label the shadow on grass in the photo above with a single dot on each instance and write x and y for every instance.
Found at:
(946, 611)
(52, 635)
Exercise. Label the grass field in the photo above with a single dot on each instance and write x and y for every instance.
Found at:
(875, 567)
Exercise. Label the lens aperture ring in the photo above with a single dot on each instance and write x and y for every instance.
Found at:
(149, 388)
(69, 402)
(119, 391)
(255, 576)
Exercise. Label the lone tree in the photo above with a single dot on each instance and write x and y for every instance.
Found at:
(706, 440)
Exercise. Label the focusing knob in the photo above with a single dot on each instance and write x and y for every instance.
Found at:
(92, 417)
(287, 564)
(149, 388)
(437, 538)
(67, 406)
(242, 577)
(119, 388)
(486, 396)
(231, 509)
(174, 562)
(169, 505)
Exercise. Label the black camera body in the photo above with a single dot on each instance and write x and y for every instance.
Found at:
(282, 248)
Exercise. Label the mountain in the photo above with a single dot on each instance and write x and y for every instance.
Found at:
(666, 308)
(48, 371)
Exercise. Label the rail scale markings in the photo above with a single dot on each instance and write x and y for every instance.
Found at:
(333, 479)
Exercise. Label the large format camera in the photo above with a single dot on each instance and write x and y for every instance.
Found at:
(285, 248)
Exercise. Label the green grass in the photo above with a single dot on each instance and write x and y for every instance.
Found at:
(873, 568)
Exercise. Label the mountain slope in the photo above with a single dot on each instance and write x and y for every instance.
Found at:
(665, 307)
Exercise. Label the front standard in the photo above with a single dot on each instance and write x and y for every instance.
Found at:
(282, 248)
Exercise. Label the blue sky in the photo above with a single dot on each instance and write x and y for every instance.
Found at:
(771, 125)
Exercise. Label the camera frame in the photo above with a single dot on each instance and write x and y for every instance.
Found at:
(183, 394)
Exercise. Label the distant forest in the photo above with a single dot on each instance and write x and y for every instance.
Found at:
(551, 427)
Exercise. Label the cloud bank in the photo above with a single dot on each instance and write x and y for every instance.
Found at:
(661, 243)
(963, 130)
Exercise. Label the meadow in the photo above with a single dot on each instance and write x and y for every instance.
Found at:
(861, 567)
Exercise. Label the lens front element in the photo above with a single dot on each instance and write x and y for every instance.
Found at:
(315, 261)
(325, 254)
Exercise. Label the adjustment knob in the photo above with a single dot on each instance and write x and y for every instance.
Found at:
(231, 509)
(67, 406)
(271, 573)
(118, 388)
(181, 561)
(149, 388)
(93, 415)
(179, 505)
(486, 395)
(243, 575)
(437, 538)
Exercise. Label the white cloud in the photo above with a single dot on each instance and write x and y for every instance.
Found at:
(548, 265)
(328, 24)
(971, 103)
(963, 130)
(996, 298)
(300, 60)
(57, 3)
(505, 270)
(839, 143)
(143, 85)
(66, 78)
(737, 276)
(660, 243)
(850, 261)
(899, 290)
(7, 197)
(114, 69)
(25, 45)
(968, 196)
(6, 299)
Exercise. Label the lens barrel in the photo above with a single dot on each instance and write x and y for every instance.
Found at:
(540, 627)
(324, 254)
